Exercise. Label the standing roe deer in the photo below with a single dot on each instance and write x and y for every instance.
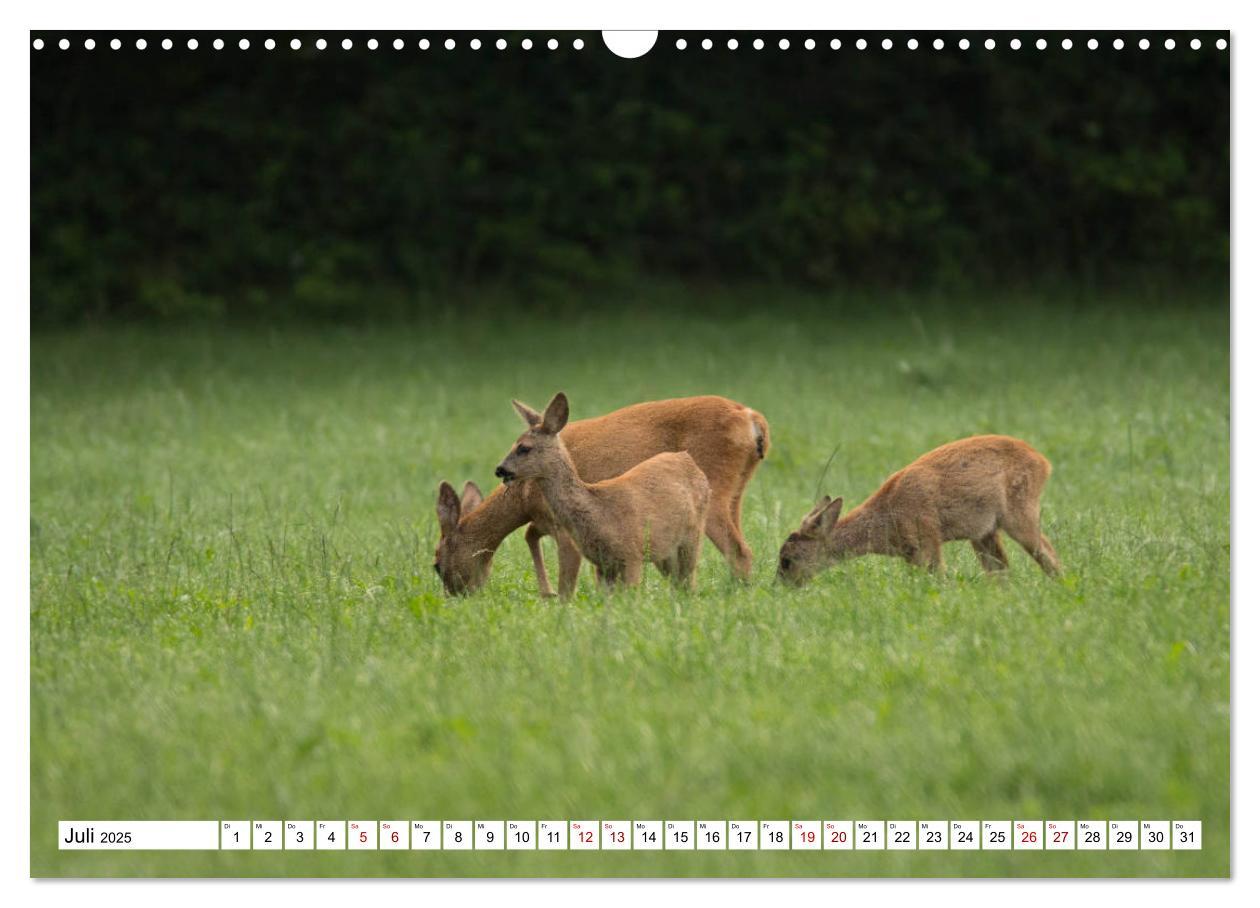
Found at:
(727, 440)
(966, 489)
(656, 510)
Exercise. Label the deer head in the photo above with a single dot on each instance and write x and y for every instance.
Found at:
(539, 450)
(462, 564)
(806, 552)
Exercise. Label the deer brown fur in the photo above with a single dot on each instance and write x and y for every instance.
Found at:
(655, 511)
(968, 489)
(726, 439)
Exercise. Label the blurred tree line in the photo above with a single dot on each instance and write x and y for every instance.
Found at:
(336, 183)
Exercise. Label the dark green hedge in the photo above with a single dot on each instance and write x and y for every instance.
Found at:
(333, 182)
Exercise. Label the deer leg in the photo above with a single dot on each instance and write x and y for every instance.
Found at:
(687, 560)
(927, 556)
(742, 563)
(926, 551)
(990, 552)
(533, 539)
(724, 532)
(570, 563)
(744, 560)
(1027, 532)
(1048, 558)
(632, 572)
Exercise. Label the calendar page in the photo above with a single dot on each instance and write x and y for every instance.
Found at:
(696, 453)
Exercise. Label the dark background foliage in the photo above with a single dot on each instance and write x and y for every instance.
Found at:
(341, 183)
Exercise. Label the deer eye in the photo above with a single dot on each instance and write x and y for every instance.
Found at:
(522, 449)
(785, 563)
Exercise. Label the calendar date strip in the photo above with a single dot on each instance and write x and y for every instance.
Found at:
(630, 835)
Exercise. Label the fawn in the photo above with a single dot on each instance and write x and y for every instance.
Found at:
(967, 489)
(656, 510)
(726, 439)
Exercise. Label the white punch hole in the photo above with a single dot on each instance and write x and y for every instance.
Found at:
(630, 44)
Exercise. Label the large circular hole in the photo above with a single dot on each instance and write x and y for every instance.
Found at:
(630, 44)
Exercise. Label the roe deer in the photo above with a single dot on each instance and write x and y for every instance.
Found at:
(656, 510)
(726, 439)
(966, 489)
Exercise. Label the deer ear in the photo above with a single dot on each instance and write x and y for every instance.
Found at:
(557, 414)
(830, 516)
(531, 416)
(813, 520)
(471, 498)
(447, 508)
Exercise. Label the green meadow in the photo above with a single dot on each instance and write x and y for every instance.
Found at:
(234, 613)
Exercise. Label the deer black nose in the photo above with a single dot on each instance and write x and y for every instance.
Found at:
(502, 472)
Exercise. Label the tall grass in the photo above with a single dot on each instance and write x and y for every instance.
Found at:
(234, 613)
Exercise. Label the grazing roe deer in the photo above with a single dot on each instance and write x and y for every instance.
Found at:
(966, 489)
(654, 511)
(726, 439)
